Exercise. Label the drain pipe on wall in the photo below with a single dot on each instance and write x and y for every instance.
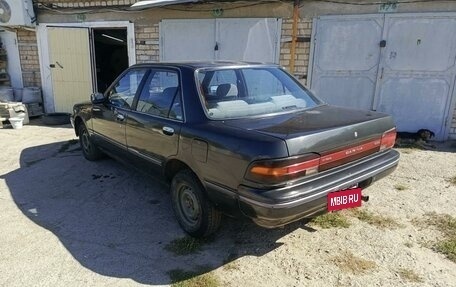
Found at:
(294, 36)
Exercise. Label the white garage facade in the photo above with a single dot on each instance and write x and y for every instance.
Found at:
(396, 57)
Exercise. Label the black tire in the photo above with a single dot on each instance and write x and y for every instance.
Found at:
(194, 212)
(89, 150)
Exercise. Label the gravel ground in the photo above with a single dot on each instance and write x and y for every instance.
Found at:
(65, 221)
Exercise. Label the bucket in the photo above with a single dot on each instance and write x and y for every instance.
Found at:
(16, 122)
(31, 95)
(6, 94)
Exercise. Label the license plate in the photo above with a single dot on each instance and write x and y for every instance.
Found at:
(344, 199)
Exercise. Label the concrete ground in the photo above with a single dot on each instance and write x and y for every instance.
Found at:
(65, 221)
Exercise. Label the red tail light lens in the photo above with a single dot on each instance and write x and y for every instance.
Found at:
(388, 139)
(276, 171)
(282, 170)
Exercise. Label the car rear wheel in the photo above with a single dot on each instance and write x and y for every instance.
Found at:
(194, 212)
(89, 150)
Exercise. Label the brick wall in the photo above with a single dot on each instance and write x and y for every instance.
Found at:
(302, 47)
(147, 43)
(453, 126)
(28, 51)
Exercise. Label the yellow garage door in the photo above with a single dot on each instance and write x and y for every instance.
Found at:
(70, 65)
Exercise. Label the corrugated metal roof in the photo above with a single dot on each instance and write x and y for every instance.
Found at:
(159, 3)
(135, 4)
(142, 4)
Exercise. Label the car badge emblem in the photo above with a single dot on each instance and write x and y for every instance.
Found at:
(356, 134)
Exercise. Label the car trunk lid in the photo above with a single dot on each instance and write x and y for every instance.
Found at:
(337, 134)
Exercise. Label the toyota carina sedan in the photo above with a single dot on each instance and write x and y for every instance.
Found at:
(238, 139)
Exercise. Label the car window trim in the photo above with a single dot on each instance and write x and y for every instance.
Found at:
(179, 92)
(113, 84)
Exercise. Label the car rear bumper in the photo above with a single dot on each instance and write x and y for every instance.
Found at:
(277, 207)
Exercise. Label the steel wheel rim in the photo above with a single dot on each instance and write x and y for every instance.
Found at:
(85, 141)
(189, 205)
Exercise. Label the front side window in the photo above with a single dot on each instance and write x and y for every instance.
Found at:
(161, 95)
(124, 91)
(244, 92)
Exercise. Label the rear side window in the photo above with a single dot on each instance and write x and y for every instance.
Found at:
(124, 91)
(263, 84)
(161, 95)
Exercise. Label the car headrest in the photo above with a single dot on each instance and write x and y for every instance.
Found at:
(226, 90)
(169, 92)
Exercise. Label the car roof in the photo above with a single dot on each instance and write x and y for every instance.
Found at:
(205, 64)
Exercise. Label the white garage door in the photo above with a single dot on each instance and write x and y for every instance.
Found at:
(187, 40)
(69, 55)
(256, 40)
(346, 60)
(403, 65)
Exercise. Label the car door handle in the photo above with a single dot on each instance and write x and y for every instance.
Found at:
(168, 131)
(120, 117)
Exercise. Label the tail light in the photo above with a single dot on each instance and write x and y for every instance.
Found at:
(282, 170)
(388, 139)
(276, 171)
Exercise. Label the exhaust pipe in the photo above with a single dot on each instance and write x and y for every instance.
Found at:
(365, 198)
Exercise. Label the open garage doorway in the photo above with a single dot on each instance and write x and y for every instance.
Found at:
(78, 59)
(110, 52)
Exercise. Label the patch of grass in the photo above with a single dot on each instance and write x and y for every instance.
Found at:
(374, 219)
(409, 275)
(400, 187)
(67, 145)
(353, 264)
(182, 278)
(446, 224)
(331, 220)
(231, 266)
(409, 147)
(452, 180)
(406, 151)
(448, 248)
(185, 245)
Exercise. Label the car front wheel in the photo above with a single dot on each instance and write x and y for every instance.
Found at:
(194, 212)
(89, 150)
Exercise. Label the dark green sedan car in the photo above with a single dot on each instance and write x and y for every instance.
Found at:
(240, 139)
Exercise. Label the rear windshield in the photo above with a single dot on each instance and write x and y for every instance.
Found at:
(243, 92)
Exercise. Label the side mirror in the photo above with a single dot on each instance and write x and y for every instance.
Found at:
(97, 98)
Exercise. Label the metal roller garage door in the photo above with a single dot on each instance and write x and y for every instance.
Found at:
(256, 40)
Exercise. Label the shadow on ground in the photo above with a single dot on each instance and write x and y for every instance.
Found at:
(36, 121)
(117, 222)
(447, 146)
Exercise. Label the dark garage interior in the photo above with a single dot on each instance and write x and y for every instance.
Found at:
(111, 55)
